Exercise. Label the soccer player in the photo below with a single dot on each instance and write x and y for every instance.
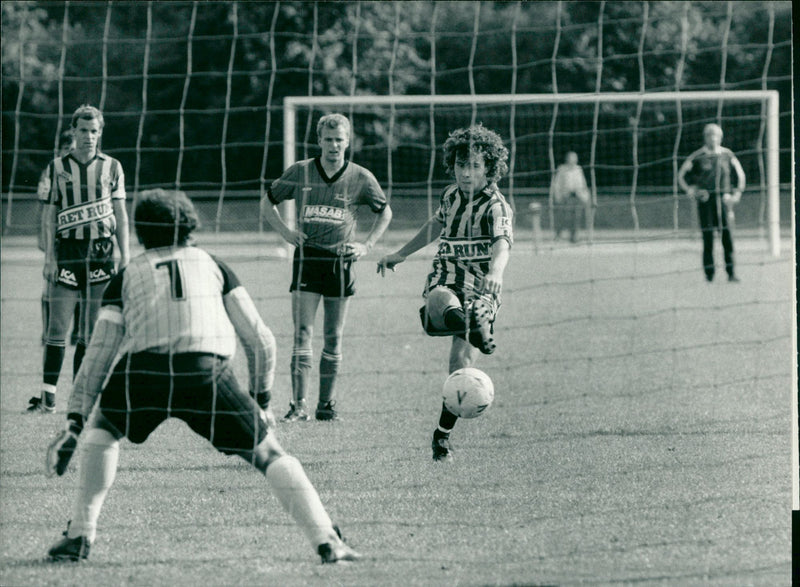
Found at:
(569, 195)
(706, 177)
(473, 225)
(65, 144)
(327, 190)
(175, 313)
(85, 209)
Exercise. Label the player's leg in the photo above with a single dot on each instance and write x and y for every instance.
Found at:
(89, 307)
(705, 213)
(61, 301)
(304, 311)
(574, 218)
(444, 312)
(97, 469)
(221, 412)
(76, 318)
(335, 314)
(727, 245)
(462, 354)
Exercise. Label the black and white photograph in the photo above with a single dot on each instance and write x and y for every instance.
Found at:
(398, 293)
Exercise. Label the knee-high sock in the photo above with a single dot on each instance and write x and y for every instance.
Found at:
(98, 470)
(301, 370)
(328, 369)
(77, 359)
(291, 486)
(53, 358)
(447, 420)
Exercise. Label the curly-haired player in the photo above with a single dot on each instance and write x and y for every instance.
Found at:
(175, 312)
(473, 225)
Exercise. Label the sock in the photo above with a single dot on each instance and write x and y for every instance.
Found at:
(447, 421)
(328, 368)
(455, 319)
(298, 497)
(301, 369)
(77, 359)
(53, 358)
(97, 470)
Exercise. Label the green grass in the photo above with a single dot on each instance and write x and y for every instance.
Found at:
(641, 433)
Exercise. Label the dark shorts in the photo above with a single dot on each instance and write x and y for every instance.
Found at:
(320, 271)
(147, 388)
(84, 262)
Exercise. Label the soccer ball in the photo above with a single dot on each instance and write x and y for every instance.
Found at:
(468, 392)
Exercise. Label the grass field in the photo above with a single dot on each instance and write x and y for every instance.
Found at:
(641, 434)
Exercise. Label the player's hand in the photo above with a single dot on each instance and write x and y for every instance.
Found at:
(389, 262)
(296, 238)
(353, 251)
(491, 284)
(49, 271)
(702, 195)
(60, 451)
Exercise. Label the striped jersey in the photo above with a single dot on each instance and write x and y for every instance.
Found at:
(710, 170)
(82, 195)
(470, 227)
(171, 300)
(326, 206)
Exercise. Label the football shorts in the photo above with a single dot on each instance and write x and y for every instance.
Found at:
(199, 388)
(84, 262)
(320, 271)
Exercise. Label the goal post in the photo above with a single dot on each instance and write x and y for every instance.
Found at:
(632, 143)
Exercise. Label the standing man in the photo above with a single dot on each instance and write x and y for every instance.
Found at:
(569, 196)
(85, 209)
(706, 177)
(65, 144)
(474, 226)
(327, 190)
(176, 313)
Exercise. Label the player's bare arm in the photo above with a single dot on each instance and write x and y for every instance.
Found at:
(122, 231)
(269, 212)
(493, 280)
(689, 189)
(49, 214)
(258, 340)
(429, 232)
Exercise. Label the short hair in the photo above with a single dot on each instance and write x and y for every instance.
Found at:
(712, 128)
(333, 121)
(87, 112)
(479, 140)
(65, 139)
(164, 218)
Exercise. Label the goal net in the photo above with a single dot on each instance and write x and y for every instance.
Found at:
(617, 336)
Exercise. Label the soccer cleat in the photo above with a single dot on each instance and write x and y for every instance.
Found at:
(70, 549)
(336, 550)
(480, 332)
(733, 279)
(43, 406)
(441, 449)
(326, 412)
(298, 412)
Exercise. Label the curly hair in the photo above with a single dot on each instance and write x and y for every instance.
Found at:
(164, 218)
(335, 120)
(477, 139)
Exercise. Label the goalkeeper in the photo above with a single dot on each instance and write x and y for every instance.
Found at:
(706, 177)
(569, 196)
(175, 313)
(473, 225)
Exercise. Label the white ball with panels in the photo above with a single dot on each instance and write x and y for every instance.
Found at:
(468, 392)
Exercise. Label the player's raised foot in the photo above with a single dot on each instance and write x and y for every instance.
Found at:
(326, 412)
(44, 404)
(298, 412)
(441, 448)
(70, 549)
(336, 551)
(480, 327)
